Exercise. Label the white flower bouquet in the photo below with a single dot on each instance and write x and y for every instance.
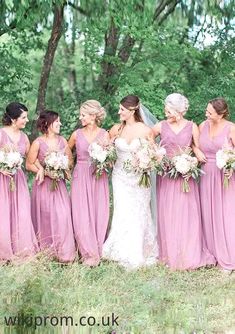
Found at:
(56, 167)
(10, 161)
(146, 158)
(225, 160)
(184, 164)
(103, 156)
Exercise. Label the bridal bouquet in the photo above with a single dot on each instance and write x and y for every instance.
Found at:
(10, 161)
(103, 156)
(56, 167)
(184, 164)
(146, 158)
(225, 160)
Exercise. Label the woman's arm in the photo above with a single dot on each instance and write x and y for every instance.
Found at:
(157, 129)
(72, 140)
(114, 131)
(195, 146)
(107, 137)
(232, 134)
(32, 157)
(32, 163)
(27, 144)
(150, 135)
(37, 163)
(68, 151)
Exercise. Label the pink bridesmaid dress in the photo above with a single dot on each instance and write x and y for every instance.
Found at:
(17, 236)
(217, 203)
(90, 202)
(51, 213)
(181, 243)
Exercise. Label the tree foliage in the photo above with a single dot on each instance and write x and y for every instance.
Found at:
(108, 49)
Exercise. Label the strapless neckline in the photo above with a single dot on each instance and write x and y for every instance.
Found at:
(125, 141)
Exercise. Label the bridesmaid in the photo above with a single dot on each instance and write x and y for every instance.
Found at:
(90, 197)
(180, 238)
(218, 210)
(17, 235)
(51, 210)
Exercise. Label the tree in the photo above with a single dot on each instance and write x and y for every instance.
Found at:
(110, 49)
(56, 32)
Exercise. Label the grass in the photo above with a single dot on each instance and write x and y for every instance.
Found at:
(153, 300)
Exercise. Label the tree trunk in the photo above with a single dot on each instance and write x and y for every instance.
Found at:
(111, 71)
(108, 68)
(56, 33)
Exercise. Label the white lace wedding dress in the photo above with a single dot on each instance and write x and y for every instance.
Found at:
(132, 240)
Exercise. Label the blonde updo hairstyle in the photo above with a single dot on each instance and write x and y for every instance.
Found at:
(93, 107)
(176, 104)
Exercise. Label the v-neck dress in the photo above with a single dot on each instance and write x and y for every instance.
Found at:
(51, 213)
(181, 243)
(217, 203)
(17, 237)
(90, 201)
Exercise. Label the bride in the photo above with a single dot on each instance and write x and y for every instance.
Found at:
(132, 239)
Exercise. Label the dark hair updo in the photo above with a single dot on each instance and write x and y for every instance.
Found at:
(13, 111)
(220, 106)
(45, 119)
(132, 102)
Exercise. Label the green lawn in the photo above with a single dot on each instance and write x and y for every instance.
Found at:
(153, 300)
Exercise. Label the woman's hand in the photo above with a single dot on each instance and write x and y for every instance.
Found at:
(195, 146)
(200, 155)
(40, 175)
(4, 172)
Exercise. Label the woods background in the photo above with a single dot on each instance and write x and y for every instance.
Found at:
(57, 54)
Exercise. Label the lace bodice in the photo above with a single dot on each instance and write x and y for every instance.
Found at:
(124, 150)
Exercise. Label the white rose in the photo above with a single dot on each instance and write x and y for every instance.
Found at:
(221, 159)
(144, 164)
(185, 156)
(51, 159)
(220, 163)
(143, 157)
(95, 150)
(182, 165)
(65, 162)
(161, 151)
(102, 156)
(2, 156)
(194, 162)
(13, 159)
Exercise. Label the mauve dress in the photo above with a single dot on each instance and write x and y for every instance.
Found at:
(217, 203)
(17, 236)
(90, 201)
(180, 238)
(51, 213)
